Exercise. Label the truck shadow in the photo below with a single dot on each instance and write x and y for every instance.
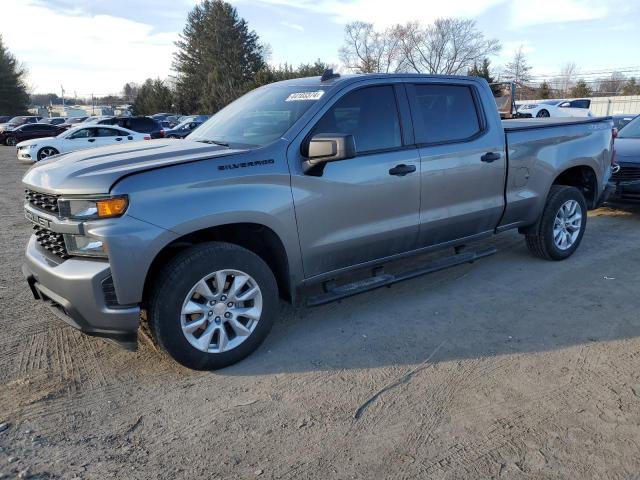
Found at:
(510, 303)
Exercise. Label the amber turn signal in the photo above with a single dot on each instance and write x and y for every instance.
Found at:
(111, 207)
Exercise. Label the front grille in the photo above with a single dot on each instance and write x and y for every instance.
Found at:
(42, 201)
(627, 173)
(51, 241)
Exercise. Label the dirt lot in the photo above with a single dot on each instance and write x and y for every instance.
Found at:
(509, 368)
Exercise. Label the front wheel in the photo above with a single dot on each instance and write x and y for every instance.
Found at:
(11, 141)
(559, 230)
(46, 152)
(543, 113)
(213, 305)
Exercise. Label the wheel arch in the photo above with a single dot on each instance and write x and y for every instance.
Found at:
(582, 177)
(255, 237)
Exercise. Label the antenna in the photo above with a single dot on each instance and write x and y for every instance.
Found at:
(329, 75)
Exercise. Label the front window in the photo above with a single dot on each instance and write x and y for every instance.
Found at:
(259, 117)
(369, 114)
(631, 129)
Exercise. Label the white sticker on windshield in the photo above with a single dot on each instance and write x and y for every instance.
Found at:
(296, 97)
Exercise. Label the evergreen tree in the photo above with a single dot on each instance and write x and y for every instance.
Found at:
(631, 87)
(13, 90)
(217, 60)
(544, 91)
(481, 71)
(270, 74)
(581, 89)
(153, 97)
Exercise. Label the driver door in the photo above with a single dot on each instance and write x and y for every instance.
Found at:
(364, 208)
(83, 138)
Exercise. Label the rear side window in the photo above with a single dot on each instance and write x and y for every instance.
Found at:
(444, 113)
(32, 128)
(106, 132)
(369, 114)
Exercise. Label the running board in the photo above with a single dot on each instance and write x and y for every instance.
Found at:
(381, 279)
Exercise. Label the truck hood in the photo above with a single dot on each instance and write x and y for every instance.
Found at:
(627, 149)
(94, 171)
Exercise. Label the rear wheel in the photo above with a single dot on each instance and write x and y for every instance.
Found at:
(543, 113)
(213, 305)
(559, 230)
(46, 152)
(10, 141)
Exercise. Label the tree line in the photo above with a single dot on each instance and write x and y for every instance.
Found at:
(219, 58)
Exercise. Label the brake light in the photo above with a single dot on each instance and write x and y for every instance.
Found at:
(162, 132)
(147, 137)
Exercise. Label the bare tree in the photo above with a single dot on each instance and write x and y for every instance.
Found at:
(565, 81)
(612, 85)
(449, 46)
(368, 51)
(518, 69)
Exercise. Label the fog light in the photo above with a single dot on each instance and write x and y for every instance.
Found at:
(85, 246)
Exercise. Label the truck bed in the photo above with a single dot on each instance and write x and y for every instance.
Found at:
(515, 124)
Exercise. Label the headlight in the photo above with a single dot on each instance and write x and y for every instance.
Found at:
(31, 146)
(85, 246)
(88, 208)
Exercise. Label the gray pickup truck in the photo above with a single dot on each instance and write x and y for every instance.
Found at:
(299, 183)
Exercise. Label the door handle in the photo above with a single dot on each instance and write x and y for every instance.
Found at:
(402, 169)
(490, 157)
(118, 139)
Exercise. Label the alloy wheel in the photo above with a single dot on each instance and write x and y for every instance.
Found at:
(221, 311)
(567, 225)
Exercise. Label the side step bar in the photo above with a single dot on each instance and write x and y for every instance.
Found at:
(381, 279)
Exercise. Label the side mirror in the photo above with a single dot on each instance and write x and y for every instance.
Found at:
(329, 147)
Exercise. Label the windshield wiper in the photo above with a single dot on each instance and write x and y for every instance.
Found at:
(213, 142)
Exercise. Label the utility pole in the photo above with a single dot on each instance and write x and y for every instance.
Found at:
(93, 110)
(62, 88)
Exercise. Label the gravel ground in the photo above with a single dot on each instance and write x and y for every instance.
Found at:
(511, 368)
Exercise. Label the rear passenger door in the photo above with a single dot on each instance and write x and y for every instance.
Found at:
(463, 161)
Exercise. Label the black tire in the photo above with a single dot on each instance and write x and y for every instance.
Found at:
(40, 153)
(10, 142)
(543, 113)
(176, 279)
(540, 239)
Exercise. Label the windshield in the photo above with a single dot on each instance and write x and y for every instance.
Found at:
(15, 120)
(631, 129)
(259, 117)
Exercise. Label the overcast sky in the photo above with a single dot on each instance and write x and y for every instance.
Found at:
(95, 46)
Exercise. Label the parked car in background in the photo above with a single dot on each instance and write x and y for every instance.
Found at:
(78, 138)
(181, 130)
(54, 120)
(15, 122)
(137, 124)
(620, 120)
(4, 118)
(627, 146)
(294, 184)
(556, 108)
(72, 122)
(29, 131)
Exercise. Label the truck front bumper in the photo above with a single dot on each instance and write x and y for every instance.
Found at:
(77, 291)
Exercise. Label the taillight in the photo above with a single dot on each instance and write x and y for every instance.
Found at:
(614, 135)
(162, 132)
(147, 137)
